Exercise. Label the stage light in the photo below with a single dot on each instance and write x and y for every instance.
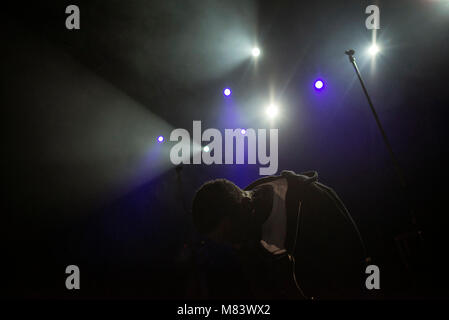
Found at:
(272, 111)
(243, 131)
(255, 52)
(319, 84)
(160, 139)
(227, 92)
(206, 149)
(373, 50)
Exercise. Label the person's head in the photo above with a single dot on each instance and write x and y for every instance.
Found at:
(224, 212)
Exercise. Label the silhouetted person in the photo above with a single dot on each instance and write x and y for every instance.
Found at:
(293, 233)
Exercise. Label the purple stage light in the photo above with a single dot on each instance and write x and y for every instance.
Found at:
(227, 92)
(319, 84)
(160, 139)
(243, 131)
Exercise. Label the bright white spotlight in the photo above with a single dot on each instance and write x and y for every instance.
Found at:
(373, 50)
(206, 149)
(272, 111)
(255, 52)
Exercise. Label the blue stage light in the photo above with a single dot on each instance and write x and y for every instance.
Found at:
(319, 85)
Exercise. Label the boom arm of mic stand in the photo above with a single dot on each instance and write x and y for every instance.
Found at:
(398, 169)
(405, 239)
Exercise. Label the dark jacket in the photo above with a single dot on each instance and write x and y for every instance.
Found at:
(325, 252)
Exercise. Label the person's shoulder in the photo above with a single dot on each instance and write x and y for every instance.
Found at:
(306, 176)
(276, 183)
(262, 181)
(285, 175)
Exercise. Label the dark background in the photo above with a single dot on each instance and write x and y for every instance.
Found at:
(86, 183)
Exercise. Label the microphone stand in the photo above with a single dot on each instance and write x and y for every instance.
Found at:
(398, 169)
(407, 240)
